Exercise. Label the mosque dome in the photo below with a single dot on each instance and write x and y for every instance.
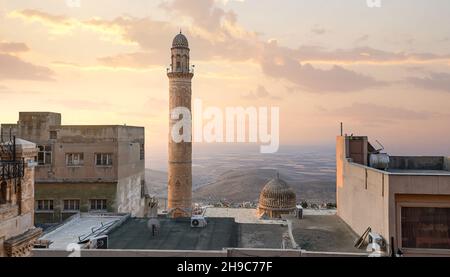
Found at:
(180, 41)
(276, 198)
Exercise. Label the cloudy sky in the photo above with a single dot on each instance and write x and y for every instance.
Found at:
(384, 72)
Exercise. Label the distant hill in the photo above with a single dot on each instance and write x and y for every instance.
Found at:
(313, 183)
(241, 185)
(156, 182)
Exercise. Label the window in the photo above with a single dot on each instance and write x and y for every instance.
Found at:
(44, 205)
(103, 159)
(44, 154)
(74, 159)
(53, 135)
(424, 227)
(3, 192)
(142, 188)
(72, 205)
(98, 204)
(141, 152)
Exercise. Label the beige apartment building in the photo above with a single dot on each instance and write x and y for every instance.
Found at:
(404, 199)
(83, 168)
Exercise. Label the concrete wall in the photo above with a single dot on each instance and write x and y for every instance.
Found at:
(416, 162)
(130, 141)
(88, 140)
(35, 126)
(366, 197)
(420, 191)
(362, 201)
(357, 149)
(128, 197)
(58, 171)
(122, 141)
(231, 252)
(131, 171)
(447, 163)
(58, 181)
(361, 194)
(82, 191)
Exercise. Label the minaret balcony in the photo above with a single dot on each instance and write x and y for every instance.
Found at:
(181, 72)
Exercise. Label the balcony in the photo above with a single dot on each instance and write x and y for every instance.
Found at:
(11, 168)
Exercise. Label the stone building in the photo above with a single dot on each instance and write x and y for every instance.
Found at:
(83, 168)
(405, 199)
(17, 231)
(276, 199)
(180, 153)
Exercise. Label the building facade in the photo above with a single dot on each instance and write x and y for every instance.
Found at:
(83, 168)
(406, 200)
(17, 231)
(180, 153)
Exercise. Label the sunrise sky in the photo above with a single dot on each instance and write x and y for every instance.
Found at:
(384, 72)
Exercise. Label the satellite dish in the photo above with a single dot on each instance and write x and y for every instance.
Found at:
(153, 222)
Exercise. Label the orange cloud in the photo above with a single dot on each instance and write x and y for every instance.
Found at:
(216, 35)
(13, 47)
(13, 67)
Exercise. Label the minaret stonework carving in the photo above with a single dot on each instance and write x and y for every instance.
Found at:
(180, 154)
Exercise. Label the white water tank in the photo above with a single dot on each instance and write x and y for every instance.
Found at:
(379, 161)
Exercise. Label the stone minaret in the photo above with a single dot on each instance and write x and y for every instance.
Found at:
(180, 154)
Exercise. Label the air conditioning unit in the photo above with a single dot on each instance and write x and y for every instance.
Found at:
(198, 221)
(376, 244)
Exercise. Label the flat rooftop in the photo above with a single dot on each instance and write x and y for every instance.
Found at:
(175, 234)
(178, 234)
(324, 233)
(319, 230)
(79, 225)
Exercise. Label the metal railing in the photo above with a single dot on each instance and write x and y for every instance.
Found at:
(96, 231)
(181, 70)
(11, 168)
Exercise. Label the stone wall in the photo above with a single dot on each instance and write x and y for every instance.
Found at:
(17, 231)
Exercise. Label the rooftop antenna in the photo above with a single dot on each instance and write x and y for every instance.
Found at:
(342, 129)
(14, 148)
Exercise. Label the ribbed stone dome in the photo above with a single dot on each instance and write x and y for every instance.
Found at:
(276, 198)
(180, 41)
